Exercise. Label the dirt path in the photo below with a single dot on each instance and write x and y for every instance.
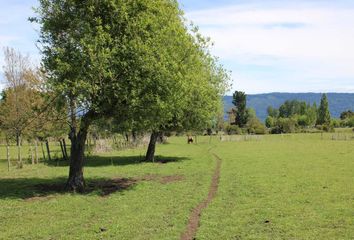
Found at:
(194, 218)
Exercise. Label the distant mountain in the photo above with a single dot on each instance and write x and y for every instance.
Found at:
(338, 102)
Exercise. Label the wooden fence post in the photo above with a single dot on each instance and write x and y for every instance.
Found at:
(66, 152)
(62, 150)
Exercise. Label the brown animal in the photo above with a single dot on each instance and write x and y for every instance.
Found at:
(190, 140)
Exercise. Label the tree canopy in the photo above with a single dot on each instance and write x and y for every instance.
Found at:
(240, 102)
(324, 116)
(132, 60)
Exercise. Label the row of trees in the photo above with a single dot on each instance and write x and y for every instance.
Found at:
(291, 116)
(243, 120)
(294, 114)
(135, 63)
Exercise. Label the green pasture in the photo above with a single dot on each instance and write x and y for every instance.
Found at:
(271, 187)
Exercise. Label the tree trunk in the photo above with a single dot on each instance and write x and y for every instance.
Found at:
(65, 151)
(48, 150)
(62, 150)
(150, 154)
(76, 180)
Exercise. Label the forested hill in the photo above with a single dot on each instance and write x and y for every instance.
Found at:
(338, 102)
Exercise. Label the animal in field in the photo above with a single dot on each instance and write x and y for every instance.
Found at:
(190, 140)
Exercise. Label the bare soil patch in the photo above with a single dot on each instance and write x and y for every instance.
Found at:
(163, 179)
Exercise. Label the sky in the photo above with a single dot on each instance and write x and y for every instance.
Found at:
(268, 45)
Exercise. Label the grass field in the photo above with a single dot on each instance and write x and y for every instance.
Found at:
(272, 187)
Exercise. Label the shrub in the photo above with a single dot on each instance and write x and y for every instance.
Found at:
(325, 128)
(336, 123)
(270, 122)
(285, 125)
(233, 129)
(303, 121)
(350, 122)
(254, 126)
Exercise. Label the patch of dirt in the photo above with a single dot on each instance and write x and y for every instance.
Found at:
(194, 217)
(171, 179)
(163, 179)
(148, 178)
(107, 187)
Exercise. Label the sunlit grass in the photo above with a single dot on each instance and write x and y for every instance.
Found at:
(272, 187)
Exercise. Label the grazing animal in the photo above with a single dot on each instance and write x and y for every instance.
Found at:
(190, 140)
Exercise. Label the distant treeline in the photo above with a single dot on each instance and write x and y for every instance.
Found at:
(338, 102)
(290, 117)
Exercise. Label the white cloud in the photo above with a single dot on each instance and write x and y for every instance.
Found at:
(309, 41)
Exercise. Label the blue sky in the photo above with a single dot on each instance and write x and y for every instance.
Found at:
(269, 45)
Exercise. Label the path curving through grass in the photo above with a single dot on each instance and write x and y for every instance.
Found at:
(195, 215)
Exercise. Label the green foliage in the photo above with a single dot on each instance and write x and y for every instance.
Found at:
(27, 109)
(270, 122)
(346, 115)
(233, 129)
(347, 119)
(290, 116)
(336, 123)
(324, 116)
(284, 125)
(325, 128)
(272, 112)
(255, 126)
(338, 102)
(134, 60)
(239, 100)
(291, 108)
(349, 122)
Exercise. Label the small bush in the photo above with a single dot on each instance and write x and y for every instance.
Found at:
(254, 126)
(325, 128)
(284, 125)
(233, 129)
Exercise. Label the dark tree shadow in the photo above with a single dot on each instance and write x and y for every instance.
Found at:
(36, 188)
(102, 161)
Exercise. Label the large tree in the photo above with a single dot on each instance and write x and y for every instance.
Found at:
(112, 58)
(182, 84)
(324, 116)
(240, 102)
(192, 99)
